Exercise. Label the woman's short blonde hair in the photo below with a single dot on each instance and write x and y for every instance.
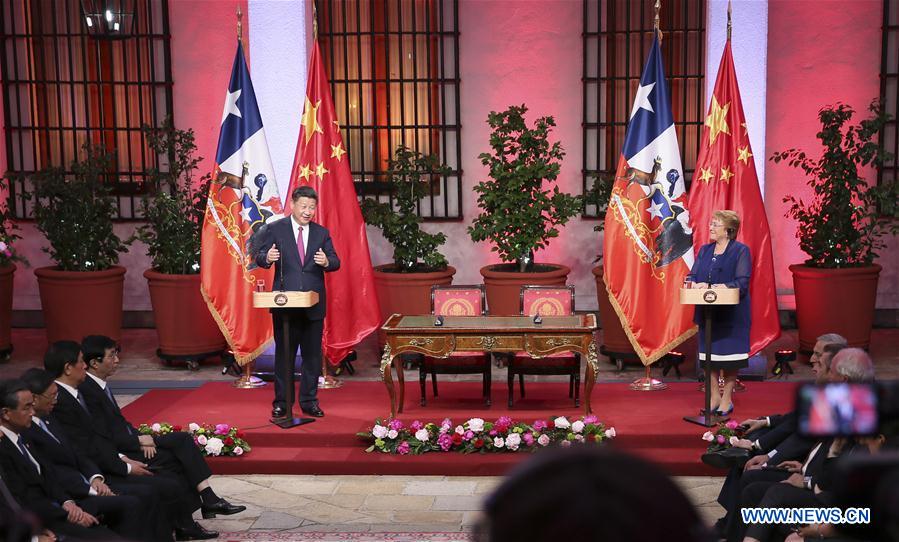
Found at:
(730, 220)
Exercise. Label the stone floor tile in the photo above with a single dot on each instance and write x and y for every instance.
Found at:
(277, 520)
(229, 525)
(397, 502)
(440, 487)
(458, 502)
(374, 486)
(305, 487)
(438, 519)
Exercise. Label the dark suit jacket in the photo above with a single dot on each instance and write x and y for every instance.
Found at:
(297, 277)
(781, 428)
(30, 488)
(88, 438)
(124, 435)
(70, 469)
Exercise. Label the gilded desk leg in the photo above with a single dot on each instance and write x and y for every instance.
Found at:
(401, 381)
(387, 377)
(590, 380)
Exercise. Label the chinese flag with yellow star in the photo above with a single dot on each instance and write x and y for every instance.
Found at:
(321, 162)
(725, 178)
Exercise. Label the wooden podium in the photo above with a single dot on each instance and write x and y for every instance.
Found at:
(710, 297)
(286, 300)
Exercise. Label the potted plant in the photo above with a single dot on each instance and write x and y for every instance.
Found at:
(615, 343)
(404, 287)
(174, 212)
(841, 227)
(8, 256)
(520, 213)
(82, 294)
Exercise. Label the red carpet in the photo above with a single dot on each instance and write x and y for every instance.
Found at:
(648, 424)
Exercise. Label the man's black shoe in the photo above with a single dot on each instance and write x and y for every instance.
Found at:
(727, 458)
(222, 507)
(194, 532)
(279, 412)
(313, 411)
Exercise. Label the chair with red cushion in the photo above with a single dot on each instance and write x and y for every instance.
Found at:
(457, 301)
(547, 301)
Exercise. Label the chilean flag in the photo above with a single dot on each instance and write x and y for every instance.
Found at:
(648, 243)
(242, 198)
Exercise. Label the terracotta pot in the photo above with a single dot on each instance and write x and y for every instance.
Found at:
(504, 285)
(6, 279)
(614, 339)
(184, 325)
(80, 303)
(407, 293)
(835, 301)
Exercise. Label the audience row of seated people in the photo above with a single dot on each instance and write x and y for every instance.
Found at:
(74, 468)
(776, 466)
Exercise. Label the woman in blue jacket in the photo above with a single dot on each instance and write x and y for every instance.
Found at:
(724, 263)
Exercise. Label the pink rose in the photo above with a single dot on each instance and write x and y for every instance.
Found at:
(720, 439)
(396, 425)
(403, 448)
(416, 425)
(238, 450)
(590, 419)
(708, 436)
(222, 429)
(610, 432)
(539, 425)
(732, 424)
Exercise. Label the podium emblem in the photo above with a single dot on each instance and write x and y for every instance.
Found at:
(709, 296)
(280, 300)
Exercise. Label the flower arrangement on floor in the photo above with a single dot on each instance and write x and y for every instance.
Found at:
(217, 440)
(724, 436)
(479, 436)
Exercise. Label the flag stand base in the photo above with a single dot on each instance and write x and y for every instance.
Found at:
(287, 423)
(648, 383)
(248, 381)
(329, 383)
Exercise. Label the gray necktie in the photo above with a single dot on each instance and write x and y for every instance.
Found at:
(81, 402)
(28, 456)
(43, 425)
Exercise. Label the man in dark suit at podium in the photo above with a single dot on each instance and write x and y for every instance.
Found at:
(302, 252)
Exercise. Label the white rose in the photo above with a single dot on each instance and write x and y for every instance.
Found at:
(238, 450)
(201, 440)
(498, 442)
(193, 427)
(562, 422)
(734, 440)
(513, 441)
(565, 443)
(392, 434)
(460, 430)
(214, 446)
(543, 440)
(422, 435)
(579, 438)
(708, 436)
(156, 427)
(379, 431)
(610, 432)
(577, 426)
(476, 425)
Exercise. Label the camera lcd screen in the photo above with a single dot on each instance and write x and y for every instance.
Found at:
(837, 410)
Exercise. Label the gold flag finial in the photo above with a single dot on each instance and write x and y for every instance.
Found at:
(239, 24)
(314, 22)
(729, 22)
(655, 22)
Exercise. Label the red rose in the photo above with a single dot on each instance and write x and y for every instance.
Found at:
(239, 434)
(457, 439)
(551, 424)
(478, 443)
(176, 428)
(229, 441)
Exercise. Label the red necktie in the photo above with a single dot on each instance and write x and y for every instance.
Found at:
(301, 248)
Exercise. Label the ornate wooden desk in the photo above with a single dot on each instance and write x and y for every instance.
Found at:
(486, 334)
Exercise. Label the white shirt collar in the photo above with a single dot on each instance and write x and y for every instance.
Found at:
(13, 437)
(100, 382)
(72, 391)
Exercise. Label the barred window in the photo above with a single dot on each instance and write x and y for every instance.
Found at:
(67, 82)
(394, 72)
(616, 40)
(889, 91)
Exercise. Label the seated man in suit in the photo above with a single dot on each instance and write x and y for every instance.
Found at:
(172, 452)
(65, 363)
(16, 524)
(78, 475)
(34, 483)
(849, 365)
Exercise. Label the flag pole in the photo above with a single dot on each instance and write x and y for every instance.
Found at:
(246, 380)
(729, 21)
(647, 382)
(326, 381)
